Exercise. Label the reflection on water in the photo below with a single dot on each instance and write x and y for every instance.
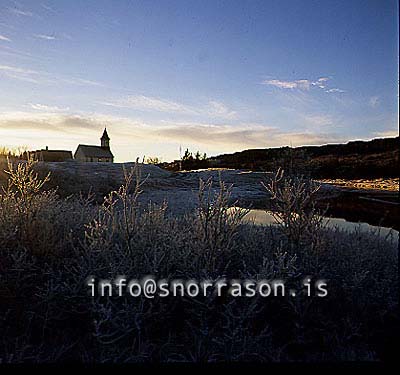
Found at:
(262, 217)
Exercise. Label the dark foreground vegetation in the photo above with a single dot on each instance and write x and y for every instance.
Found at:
(50, 245)
(358, 159)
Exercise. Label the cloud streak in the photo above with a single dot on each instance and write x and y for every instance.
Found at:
(241, 137)
(319, 120)
(4, 38)
(334, 90)
(220, 110)
(373, 101)
(38, 77)
(20, 12)
(22, 74)
(301, 84)
(147, 103)
(47, 108)
(44, 36)
(212, 108)
(48, 8)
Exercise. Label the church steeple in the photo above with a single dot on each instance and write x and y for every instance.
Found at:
(105, 139)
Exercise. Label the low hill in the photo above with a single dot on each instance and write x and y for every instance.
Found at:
(357, 159)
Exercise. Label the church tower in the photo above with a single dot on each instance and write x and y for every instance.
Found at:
(105, 140)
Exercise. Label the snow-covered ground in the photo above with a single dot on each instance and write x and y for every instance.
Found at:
(180, 189)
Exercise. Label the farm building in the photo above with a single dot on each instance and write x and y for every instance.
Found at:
(48, 155)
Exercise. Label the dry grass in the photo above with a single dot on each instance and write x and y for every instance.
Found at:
(385, 184)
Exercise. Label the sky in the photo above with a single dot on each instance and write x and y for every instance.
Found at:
(209, 75)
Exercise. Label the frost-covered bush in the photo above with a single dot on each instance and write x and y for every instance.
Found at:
(293, 202)
(49, 246)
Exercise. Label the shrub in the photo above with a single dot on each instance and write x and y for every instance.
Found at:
(293, 207)
(46, 314)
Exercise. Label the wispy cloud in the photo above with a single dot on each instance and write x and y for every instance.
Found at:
(20, 12)
(34, 76)
(318, 121)
(241, 136)
(79, 82)
(27, 75)
(17, 70)
(147, 103)
(301, 84)
(320, 82)
(45, 36)
(10, 51)
(4, 38)
(212, 108)
(280, 84)
(335, 90)
(67, 36)
(373, 101)
(204, 134)
(8, 26)
(220, 110)
(48, 8)
(47, 108)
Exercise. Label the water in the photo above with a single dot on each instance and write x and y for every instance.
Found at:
(262, 217)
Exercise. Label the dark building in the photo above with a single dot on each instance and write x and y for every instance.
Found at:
(48, 155)
(91, 154)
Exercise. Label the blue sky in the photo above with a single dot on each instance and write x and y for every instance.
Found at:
(214, 76)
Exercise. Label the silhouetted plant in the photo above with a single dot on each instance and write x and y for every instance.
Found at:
(218, 222)
(293, 201)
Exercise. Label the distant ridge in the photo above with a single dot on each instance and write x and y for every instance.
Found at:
(356, 159)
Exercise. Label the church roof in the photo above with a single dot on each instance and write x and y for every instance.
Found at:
(95, 151)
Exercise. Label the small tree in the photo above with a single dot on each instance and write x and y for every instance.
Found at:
(194, 162)
(153, 160)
